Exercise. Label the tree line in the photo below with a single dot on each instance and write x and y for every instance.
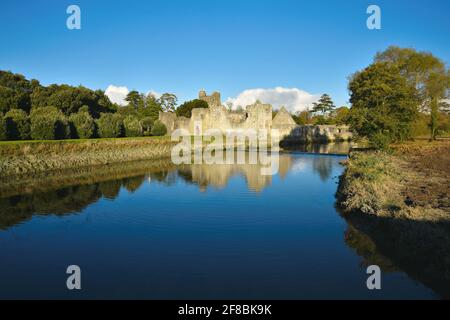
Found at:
(29, 110)
(403, 94)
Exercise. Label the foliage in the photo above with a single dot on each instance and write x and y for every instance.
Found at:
(18, 124)
(383, 103)
(152, 108)
(427, 73)
(3, 133)
(110, 125)
(159, 129)
(324, 106)
(147, 124)
(48, 123)
(135, 99)
(168, 101)
(132, 127)
(185, 110)
(82, 124)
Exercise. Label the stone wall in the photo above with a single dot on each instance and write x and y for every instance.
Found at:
(257, 116)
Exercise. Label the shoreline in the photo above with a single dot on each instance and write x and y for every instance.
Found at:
(400, 203)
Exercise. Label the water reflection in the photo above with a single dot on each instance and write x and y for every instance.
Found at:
(41, 195)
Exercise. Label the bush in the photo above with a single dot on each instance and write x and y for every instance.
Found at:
(132, 127)
(48, 123)
(18, 124)
(3, 135)
(380, 141)
(82, 125)
(147, 124)
(110, 125)
(185, 110)
(159, 129)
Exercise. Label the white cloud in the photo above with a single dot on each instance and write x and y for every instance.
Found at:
(292, 99)
(117, 94)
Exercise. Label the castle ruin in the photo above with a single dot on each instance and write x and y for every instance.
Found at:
(256, 116)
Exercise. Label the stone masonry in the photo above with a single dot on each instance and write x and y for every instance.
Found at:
(256, 116)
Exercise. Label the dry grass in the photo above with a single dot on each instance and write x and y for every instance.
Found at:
(24, 158)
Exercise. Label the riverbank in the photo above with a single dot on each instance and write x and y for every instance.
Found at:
(400, 200)
(411, 182)
(35, 157)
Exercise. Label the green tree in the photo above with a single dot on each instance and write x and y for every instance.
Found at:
(427, 73)
(48, 123)
(110, 125)
(132, 126)
(185, 110)
(147, 124)
(159, 129)
(82, 124)
(324, 106)
(135, 99)
(3, 133)
(341, 115)
(152, 108)
(168, 101)
(18, 124)
(384, 104)
(302, 117)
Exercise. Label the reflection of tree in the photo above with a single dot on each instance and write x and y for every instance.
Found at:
(419, 248)
(110, 189)
(323, 165)
(133, 183)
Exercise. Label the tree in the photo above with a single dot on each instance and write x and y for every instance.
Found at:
(324, 106)
(3, 134)
(82, 124)
(110, 125)
(18, 124)
(152, 107)
(384, 104)
(302, 117)
(427, 73)
(135, 99)
(185, 110)
(147, 124)
(341, 115)
(48, 123)
(168, 101)
(132, 127)
(159, 129)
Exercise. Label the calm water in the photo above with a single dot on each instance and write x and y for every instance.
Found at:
(149, 230)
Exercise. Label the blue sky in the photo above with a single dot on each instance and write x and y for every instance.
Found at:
(229, 46)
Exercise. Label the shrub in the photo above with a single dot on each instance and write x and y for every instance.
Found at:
(380, 141)
(82, 125)
(18, 124)
(48, 123)
(132, 127)
(147, 124)
(3, 135)
(110, 125)
(159, 129)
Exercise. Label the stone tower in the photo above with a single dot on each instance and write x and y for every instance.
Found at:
(213, 100)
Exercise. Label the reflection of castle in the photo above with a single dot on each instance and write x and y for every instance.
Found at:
(256, 116)
(218, 175)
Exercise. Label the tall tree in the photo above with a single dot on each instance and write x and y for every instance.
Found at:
(427, 73)
(168, 101)
(324, 106)
(134, 99)
(384, 104)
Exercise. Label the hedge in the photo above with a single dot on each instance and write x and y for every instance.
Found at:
(159, 129)
(132, 126)
(48, 123)
(82, 125)
(110, 125)
(18, 125)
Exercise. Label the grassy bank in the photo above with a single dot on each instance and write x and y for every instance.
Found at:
(400, 201)
(33, 157)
